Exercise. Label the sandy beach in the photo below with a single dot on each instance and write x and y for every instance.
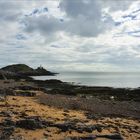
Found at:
(62, 117)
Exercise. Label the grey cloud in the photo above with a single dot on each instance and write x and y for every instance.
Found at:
(75, 8)
(9, 10)
(83, 18)
(45, 25)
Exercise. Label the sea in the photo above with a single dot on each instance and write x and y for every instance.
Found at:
(109, 79)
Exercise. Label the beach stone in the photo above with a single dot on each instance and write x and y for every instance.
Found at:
(23, 114)
(136, 127)
(46, 134)
(65, 114)
(98, 128)
(15, 112)
(66, 111)
(6, 113)
(9, 129)
(80, 127)
(19, 137)
(31, 123)
(90, 115)
(79, 130)
(94, 137)
(6, 132)
(8, 122)
(89, 129)
(112, 137)
(66, 126)
(63, 127)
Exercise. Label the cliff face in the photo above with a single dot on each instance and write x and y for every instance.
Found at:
(22, 70)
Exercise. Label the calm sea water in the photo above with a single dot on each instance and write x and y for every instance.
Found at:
(110, 79)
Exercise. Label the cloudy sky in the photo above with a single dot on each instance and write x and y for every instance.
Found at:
(85, 35)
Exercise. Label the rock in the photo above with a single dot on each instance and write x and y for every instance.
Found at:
(89, 115)
(9, 129)
(2, 99)
(112, 137)
(14, 99)
(46, 134)
(31, 123)
(80, 128)
(23, 114)
(6, 113)
(24, 93)
(6, 133)
(89, 129)
(93, 137)
(66, 126)
(19, 137)
(98, 128)
(65, 114)
(82, 138)
(63, 127)
(136, 127)
(8, 122)
(53, 81)
(15, 112)
(66, 111)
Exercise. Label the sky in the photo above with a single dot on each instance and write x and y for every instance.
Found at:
(71, 35)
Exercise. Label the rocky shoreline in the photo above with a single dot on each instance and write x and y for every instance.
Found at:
(25, 119)
(58, 87)
(55, 110)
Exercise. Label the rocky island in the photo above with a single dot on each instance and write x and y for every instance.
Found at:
(54, 110)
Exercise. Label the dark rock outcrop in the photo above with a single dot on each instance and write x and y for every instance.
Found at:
(31, 123)
(94, 137)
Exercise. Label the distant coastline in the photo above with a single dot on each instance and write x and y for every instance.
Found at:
(19, 71)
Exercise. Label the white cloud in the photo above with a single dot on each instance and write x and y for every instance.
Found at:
(79, 35)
